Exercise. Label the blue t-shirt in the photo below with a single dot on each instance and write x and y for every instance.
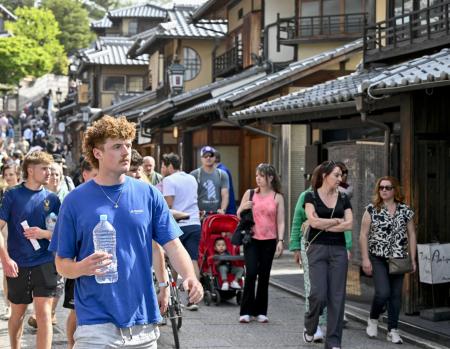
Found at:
(20, 204)
(231, 209)
(142, 215)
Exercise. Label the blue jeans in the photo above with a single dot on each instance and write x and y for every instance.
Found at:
(388, 291)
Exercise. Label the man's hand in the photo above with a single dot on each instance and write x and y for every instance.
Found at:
(94, 264)
(163, 299)
(221, 211)
(36, 233)
(10, 268)
(194, 289)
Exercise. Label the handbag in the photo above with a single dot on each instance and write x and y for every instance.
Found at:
(243, 233)
(400, 265)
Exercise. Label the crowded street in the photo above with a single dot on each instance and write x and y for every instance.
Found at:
(224, 174)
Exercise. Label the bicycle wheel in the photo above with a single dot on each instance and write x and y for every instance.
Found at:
(173, 322)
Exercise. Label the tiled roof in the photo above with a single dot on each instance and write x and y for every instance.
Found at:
(111, 51)
(178, 27)
(158, 109)
(271, 82)
(142, 10)
(202, 10)
(105, 22)
(9, 14)
(418, 73)
(130, 104)
(328, 94)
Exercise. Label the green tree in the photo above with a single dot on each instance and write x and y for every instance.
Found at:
(20, 57)
(40, 26)
(73, 22)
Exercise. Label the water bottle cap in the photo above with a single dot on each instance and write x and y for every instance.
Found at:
(103, 217)
(52, 215)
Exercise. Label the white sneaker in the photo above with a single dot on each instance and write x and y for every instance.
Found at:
(262, 319)
(307, 338)
(234, 284)
(318, 336)
(244, 319)
(225, 286)
(191, 307)
(372, 328)
(394, 337)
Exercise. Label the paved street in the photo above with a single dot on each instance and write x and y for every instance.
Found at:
(217, 326)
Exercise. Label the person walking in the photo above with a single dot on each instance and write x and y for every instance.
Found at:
(180, 192)
(123, 312)
(213, 194)
(149, 169)
(267, 206)
(10, 176)
(387, 230)
(231, 209)
(329, 214)
(27, 263)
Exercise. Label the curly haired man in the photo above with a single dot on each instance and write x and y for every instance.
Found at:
(122, 313)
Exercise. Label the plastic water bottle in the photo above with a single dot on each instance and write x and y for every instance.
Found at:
(104, 236)
(50, 221)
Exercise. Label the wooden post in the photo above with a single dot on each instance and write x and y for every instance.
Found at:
(407, 149)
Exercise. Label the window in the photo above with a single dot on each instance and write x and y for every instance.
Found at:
(132, 27)
(135, 84)
(240, 13)
(114, 83)
(191, 63)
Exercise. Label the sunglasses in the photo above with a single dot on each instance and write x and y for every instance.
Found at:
(207, 156)
(385, 187)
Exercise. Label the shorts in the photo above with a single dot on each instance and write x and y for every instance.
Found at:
(109, 336)
(38, 281)
(191, 239)
(69, 291)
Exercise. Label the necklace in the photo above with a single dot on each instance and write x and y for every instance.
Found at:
(115, 204)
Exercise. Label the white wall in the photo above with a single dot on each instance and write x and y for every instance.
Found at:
(286, 8)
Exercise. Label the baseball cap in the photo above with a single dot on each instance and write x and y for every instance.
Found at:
(207, 149)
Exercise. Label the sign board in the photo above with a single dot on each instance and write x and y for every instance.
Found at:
(434, 263)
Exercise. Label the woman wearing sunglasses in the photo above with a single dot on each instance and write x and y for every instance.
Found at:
(329, 214)
(386, 230)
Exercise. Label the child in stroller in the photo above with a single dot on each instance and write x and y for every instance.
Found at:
(219, 227)
(224, 266)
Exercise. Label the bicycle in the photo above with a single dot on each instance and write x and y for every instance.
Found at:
(174, 311)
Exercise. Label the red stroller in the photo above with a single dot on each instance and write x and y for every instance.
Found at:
(215, 226)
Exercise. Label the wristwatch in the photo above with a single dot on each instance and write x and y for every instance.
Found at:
(282, 240)
(164, 284)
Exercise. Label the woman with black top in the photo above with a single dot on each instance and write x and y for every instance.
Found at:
(329, 215)
(387, 230)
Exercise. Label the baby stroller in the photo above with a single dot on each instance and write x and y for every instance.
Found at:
(215, 226)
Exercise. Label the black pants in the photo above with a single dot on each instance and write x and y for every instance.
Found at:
(328, 276)
(388, 291)
(258, 262)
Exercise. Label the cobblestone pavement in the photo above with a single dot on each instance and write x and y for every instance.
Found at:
(217, 327)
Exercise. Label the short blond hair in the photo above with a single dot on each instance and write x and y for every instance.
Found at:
(35, 158)
(107, 127)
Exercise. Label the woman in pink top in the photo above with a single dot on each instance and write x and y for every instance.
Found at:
(267, 241)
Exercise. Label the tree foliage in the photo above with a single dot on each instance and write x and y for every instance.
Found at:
(73, 22)
(19, 57)
(41, 27)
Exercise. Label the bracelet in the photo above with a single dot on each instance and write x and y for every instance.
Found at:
(278, 240)
(164, 284)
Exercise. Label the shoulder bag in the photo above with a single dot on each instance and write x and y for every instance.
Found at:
(243, 233)
(398, 266)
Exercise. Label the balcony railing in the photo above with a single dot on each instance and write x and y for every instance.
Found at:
(292, 30)
(228, 62)
(408, 33)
